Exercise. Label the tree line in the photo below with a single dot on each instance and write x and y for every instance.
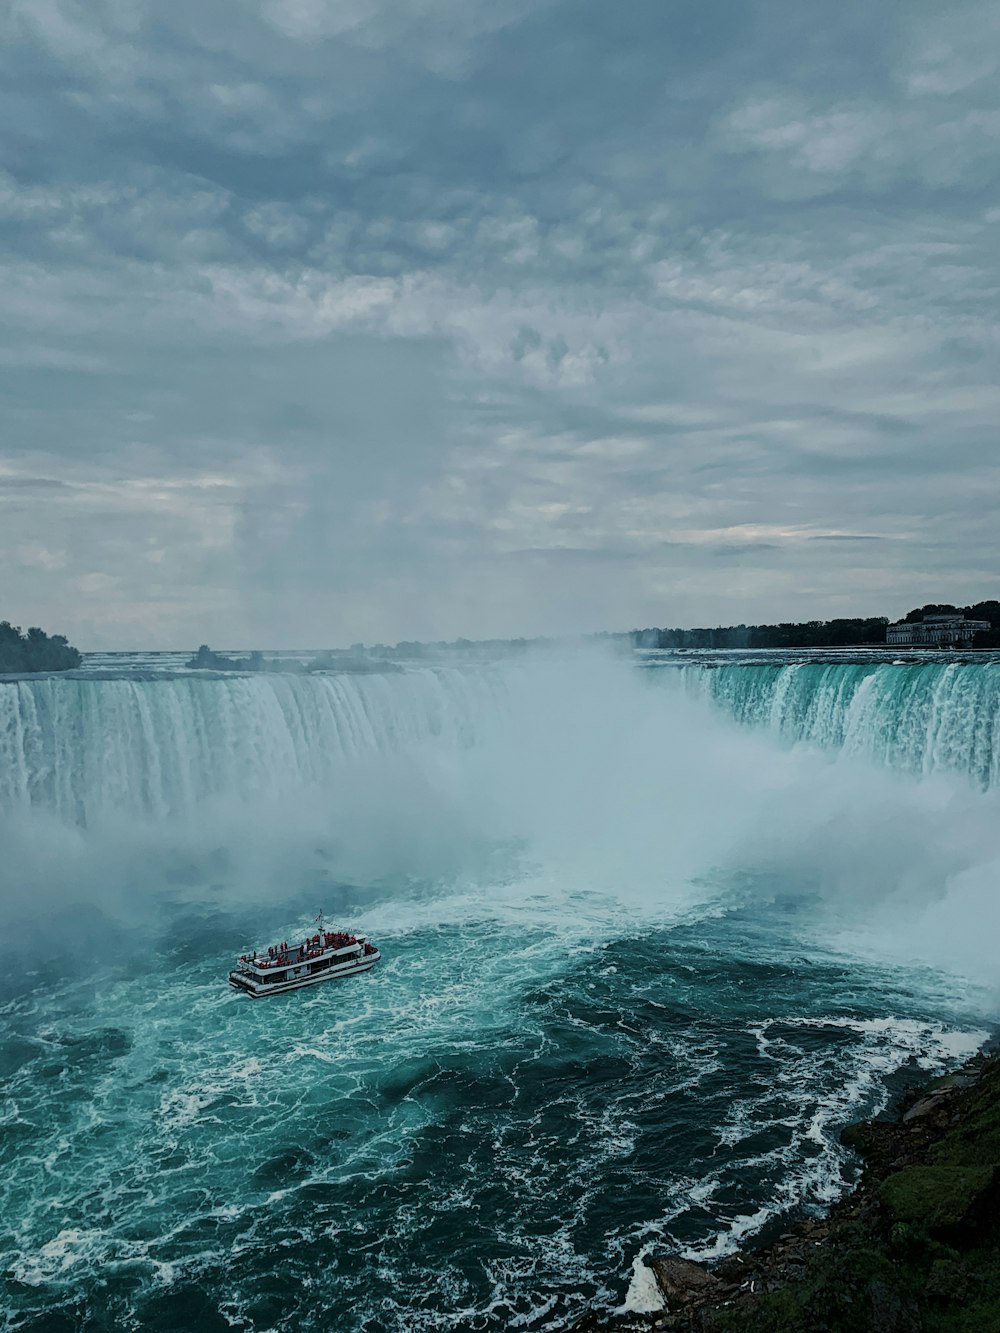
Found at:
(868, 631)
(788, 634)
(35, 650)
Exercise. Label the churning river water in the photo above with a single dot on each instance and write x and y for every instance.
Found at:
(652, 933)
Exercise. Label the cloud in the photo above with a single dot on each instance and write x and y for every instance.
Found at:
(336, 321)
(31, 554)
(808, 150)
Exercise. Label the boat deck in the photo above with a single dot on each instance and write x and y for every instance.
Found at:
(322, 956)
(326, 946)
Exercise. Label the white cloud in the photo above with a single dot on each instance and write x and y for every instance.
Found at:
(443, 35)
(96, 584)
(812, 144)
(953, 51)
(278, 225)
(33, 554)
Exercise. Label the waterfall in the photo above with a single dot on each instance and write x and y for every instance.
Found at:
(918, 718)
(648, 792)
(86, 747)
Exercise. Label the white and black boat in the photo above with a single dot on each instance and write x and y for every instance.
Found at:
(320, 957)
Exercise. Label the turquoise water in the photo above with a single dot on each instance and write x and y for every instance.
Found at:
(641, 961)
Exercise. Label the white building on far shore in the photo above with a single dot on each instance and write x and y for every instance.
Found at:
(935, 632)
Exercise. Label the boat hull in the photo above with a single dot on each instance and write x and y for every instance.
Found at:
(259, 991)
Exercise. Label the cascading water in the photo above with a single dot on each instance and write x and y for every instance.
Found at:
(640, 963)
(85, 748)
(914, 717)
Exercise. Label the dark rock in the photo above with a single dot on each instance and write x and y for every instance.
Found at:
(961, 1078)
(734, 1268)
(890, 1311)
(681, 1281)
(707, 1319)
(947, 1282)
(926, 1106)
(867, 1137)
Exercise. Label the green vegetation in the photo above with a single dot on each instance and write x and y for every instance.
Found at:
(917, 1250)
(207, 660)
(809, 634)
(934, 1196)
(856, 632)
(34, 651)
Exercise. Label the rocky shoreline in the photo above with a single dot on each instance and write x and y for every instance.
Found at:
(915, 1248)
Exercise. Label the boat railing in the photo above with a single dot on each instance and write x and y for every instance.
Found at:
(296, 959)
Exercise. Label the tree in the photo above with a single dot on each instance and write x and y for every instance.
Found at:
(34, 651)
(931, 609)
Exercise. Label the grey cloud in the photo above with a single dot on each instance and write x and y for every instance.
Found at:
(326, 313)
(556, 555)
(21, 484)
(742, 548)
(847, 537)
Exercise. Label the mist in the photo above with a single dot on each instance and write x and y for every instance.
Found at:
(572, 788)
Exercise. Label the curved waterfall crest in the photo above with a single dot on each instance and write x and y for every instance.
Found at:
(918, 718)
(89, 747)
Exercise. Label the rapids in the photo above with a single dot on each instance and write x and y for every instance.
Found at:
(650, 938)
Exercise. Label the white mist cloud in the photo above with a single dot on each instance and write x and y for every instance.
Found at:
(576, 787)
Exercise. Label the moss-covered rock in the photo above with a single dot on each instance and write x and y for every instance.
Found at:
(936, 1197)
(947, 1281)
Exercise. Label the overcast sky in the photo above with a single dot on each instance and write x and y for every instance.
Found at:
(336, 320)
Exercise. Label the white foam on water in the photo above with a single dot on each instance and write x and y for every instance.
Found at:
(496, 831)
(643, 1295)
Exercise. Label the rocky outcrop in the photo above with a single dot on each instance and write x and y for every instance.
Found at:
(914, 1249)
(335, 660)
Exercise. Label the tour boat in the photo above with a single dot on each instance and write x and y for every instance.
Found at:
(320, 957)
